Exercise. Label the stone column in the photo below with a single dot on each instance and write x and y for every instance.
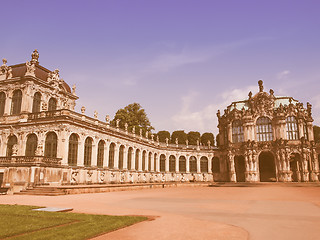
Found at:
(3, 145)
(153, 167)
(198, 165)
(27, 100)
(80, 160)
(177, 163)
(116, 156)
(157, 166)
(147, 161)
(167, 163)
(106, 155)
(133, 159)
(125, 158)
(188, 164)
(310, 131)
(140, 161)
(229, 132)
(210, 164)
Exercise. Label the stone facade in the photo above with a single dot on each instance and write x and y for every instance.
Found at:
(44, 141)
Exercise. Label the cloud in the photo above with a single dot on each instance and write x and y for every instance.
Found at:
(205, 119)
(283, 75)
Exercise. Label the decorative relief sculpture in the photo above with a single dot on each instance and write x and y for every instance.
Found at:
(30, 69)
(35, 57)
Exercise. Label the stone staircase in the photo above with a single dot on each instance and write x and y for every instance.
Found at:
(42, 191)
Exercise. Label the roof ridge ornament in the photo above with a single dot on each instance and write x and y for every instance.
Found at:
(35, 57)
(260, 82)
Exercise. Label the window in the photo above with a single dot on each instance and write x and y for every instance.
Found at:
(52, 106)
(129, 158)
(36, 102)
(237, 132)
(264, 129)
(182, 164)
(100, 154)
(111, 155)
(155, 162)
(149, 161)
(87, 151)
(73, 149)
(193, 164)
(51, 145)
(162, 163)
(31, 146)
(12, 140)
(172, 163)
(292, 128)
(143, 160)
(2, 103)
(204, 164)
(16, 102)
(121, 152)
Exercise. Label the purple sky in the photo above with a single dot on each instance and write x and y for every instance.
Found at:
(181, 60)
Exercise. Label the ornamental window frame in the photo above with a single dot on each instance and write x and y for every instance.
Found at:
(16, 102)
(73, 149)
(264, 129)
(237, 132)
(51, 144)
(292, 129)
(36, 102)
(2, 103)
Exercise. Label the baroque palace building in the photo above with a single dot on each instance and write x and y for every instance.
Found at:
(44, 141)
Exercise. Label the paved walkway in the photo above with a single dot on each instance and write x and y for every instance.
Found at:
(268, 212)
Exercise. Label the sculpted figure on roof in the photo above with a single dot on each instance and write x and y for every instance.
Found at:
(35, 57)
(30, 69)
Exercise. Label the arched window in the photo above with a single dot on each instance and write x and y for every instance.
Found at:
(137, 159)
(193, 164)
(292, 128)
(111, 155)
(36, 102)
(305, 131)
(237, 132)
(162, 163)
(87, 151)
(31, 146)
(155, 162)
(100, 154)
(12, 140)
(16, 102)
(172, 163)
(143, 160)
(182, 164)
(264, 129)
(121, 152)
(2, 103)
(73, 149)
(204, 164)
(52, 105)
(215, 165)
(51, 145)
(149, 161)
(130, 150)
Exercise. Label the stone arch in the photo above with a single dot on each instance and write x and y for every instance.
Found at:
(112, 147)
(121, 156)
(182, 164)
(264, 129)
(36, 105)
(73, 149)
(267, 167)
(240, 167)
(162, 163)
(204, 164)
(100, 153)
(51, 144)
(295, 167)
(12, 140)
(215, 165)
(193, 164)
(16, 102)
(31, 145)
(52, 104)
(172, 163)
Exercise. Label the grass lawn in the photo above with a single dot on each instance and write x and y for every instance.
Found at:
(20, 222)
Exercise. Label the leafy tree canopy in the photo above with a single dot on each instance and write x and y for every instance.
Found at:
(181, 135)
(205, 137)
(163, 135)
(316, 133)
(193, 137)
(135, 116)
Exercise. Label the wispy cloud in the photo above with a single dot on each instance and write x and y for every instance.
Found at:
(283, 75)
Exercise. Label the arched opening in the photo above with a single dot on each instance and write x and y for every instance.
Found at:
(111, 155)
(204, 164)
(162, 163)
(240, 166)
(237, 132)
(182, 164)
(295, 167)
(31, 146)
(264, 129)
(16, 102)
(51, 145)
(137, 159)
(2, 103)
(87, 151)
(73, 149)
(155, 162)
(215, 165)
(172, 163)
(121, 154)
(36, 102)
(12, 140)
(100, 154)
(143, 160)
(193, 164)
(130, 150)
(149, 161)
(52, 105)
(267, 167)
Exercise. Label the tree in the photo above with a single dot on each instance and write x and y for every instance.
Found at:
(135, 116)
(193, 137)
(181, 135)
(205, 137)
(163, 135)
(316, 133)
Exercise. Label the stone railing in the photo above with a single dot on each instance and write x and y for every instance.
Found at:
(32, 160)
(108, 128)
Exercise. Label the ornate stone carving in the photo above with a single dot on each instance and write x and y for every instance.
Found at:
(35, 57)
(30, 69)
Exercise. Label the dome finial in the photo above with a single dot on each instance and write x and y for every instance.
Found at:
(260, 82)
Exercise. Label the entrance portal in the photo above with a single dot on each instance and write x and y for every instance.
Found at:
(295, 168)
(267, 167)
(240, 168)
